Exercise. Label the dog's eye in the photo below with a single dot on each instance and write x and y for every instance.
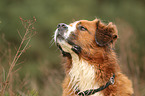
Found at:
(82, 28)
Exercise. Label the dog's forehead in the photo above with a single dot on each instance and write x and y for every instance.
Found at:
(87, 23)
(83, 22)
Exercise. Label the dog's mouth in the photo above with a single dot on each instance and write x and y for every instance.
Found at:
(75, 48)
(63, 42)
(61, 38)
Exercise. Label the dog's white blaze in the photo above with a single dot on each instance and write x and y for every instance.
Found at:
(71, 29)
(82, 75)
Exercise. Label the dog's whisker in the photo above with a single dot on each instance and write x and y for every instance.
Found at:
(52, 44)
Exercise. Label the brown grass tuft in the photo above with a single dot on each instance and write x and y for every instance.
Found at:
(29, 32)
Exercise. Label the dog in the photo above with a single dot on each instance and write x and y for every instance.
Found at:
(90, 60)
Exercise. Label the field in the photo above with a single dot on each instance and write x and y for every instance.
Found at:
(30, 62)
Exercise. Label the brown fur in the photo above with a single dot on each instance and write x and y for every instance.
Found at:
(102, 57)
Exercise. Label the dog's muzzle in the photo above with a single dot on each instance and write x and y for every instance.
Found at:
(62, 27)
(60, 35)
(61, 30)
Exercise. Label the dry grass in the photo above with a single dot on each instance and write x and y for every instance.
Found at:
(6, 86)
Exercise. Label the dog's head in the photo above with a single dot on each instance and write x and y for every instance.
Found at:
(84, 36)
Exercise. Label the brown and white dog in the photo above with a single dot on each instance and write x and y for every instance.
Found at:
(90, 60)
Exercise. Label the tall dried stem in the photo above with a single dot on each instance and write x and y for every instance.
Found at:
(29, 33)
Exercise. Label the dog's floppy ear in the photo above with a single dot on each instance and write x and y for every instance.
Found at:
(105, 34)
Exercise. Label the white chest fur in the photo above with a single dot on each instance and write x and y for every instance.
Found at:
(82, 75)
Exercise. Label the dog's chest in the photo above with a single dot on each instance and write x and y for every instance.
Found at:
(82, 75)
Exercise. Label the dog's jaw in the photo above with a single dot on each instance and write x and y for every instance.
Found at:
(61, 39)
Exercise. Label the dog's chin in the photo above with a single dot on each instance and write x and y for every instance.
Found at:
(67, 46)
(63, 45)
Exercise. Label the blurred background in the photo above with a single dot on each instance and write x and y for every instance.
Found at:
(40, 67)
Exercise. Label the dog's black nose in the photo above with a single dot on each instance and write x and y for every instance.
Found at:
(62, 27)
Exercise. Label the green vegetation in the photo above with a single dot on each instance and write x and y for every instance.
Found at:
(39, 68)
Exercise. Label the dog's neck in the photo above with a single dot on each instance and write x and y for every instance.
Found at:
(82, 75)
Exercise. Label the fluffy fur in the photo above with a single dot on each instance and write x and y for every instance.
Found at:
(93, 65)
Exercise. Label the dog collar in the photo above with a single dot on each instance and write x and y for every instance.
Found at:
(93, 91)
